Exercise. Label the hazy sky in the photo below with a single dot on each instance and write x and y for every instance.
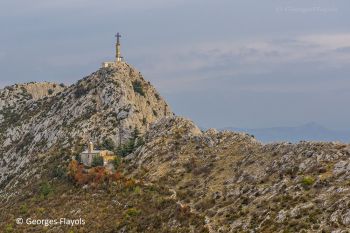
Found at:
(221, 63)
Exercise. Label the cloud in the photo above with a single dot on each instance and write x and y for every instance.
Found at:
(331, 41)
(293, 64)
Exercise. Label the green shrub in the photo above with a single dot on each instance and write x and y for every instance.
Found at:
(116, 162)
(80, 91)
(136, 133)
(97, 161)
(9, 228)
(24, 209)
(132, 212)
(134, 142)
(137, 85)
(45, 189)
(157, 96)
(126, 149)
(50, 91)
(78, 158)
(59, 172)
(137, 190)
(308, 180)
(108, 144)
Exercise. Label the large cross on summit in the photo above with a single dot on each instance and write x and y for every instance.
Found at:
(118, 36)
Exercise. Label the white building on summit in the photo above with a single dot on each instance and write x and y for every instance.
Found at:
(118, 57)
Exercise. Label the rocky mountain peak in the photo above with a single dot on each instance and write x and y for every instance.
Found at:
(122, 95)
(107, 105)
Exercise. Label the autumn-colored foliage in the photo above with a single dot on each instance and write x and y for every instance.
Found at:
(72, 168)
(97, 175)
(129, 184)
(81, 177)
(76, 173)
(116, 176)
(94, 176)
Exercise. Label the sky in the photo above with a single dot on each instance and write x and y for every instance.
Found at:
(222, 63)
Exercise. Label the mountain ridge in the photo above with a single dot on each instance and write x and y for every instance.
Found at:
(180, 179)
(306, 132)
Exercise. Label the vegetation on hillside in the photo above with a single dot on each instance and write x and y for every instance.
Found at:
(107, 203)
(131, 145)
(138, 88)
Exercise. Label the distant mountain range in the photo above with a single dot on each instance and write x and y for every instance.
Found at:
(306, 132)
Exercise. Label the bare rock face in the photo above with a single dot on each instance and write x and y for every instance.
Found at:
(109, 105)
(41, 90)
(16, 96)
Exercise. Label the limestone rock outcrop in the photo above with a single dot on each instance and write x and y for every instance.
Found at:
(109, 105)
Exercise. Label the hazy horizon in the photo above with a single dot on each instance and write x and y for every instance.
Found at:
(253, 65)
